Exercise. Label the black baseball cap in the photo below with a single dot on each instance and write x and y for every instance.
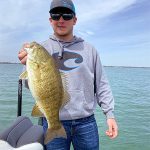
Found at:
(62, 4)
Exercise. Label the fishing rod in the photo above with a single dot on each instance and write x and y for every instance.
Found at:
(19, 109)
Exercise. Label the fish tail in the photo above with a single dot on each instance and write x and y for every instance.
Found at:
(54, 133)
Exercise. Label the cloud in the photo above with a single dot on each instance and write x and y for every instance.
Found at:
(21, 21)
(20, 14)
(85, 33)
(99, 9)
(96, 14)
(107, 24)
(29, 14)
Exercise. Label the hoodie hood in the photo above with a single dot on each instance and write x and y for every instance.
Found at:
(64, 44)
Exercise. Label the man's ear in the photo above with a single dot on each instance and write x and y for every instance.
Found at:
(74, 20)
(50, 20)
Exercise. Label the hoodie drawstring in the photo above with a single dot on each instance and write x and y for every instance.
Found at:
(60, 55)
(62, 46)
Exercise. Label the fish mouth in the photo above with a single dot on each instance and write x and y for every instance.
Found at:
(28, 50)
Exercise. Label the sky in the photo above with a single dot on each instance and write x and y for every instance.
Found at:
(118, 29)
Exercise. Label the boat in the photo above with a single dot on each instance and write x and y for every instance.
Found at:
(22, 131)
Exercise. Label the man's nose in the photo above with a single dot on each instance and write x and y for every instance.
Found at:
(61, 19)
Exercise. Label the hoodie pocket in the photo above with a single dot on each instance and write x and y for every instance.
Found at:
(81, 102)
(77, 99)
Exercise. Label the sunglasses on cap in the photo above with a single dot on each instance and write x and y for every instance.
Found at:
(65, 16)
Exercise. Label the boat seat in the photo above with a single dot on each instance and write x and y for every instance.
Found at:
(22, 132)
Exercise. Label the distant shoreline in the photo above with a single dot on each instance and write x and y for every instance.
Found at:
(104, 65)
(9, 63)
(126, 66)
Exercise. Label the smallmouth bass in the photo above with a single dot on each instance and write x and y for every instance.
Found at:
(46, 86)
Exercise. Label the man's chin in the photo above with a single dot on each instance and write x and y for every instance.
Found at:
(62, 33)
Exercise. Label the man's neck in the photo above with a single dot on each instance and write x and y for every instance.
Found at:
(64, 38)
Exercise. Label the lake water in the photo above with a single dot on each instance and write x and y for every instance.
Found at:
(131, 90)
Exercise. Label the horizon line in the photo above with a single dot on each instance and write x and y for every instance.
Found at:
(103, 65)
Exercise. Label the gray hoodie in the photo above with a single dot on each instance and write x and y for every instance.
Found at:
(87, 83)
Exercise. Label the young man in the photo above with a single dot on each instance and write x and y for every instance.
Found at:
(87, 84)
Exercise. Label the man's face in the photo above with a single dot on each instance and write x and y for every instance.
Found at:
(62, 26)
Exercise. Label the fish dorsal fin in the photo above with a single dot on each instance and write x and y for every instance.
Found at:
(66, 96)
(24, 75)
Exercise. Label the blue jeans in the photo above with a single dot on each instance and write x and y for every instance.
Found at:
(82, 133)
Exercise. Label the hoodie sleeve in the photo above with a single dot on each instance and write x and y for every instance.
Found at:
(102, 89)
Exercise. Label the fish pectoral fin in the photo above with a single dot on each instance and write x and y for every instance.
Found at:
(36, 111)
(54, 133)
(24, 75)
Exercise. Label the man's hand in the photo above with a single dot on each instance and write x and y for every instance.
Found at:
(22, 55)
(112, 131)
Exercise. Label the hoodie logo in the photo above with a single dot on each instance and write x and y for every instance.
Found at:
(69, 61)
